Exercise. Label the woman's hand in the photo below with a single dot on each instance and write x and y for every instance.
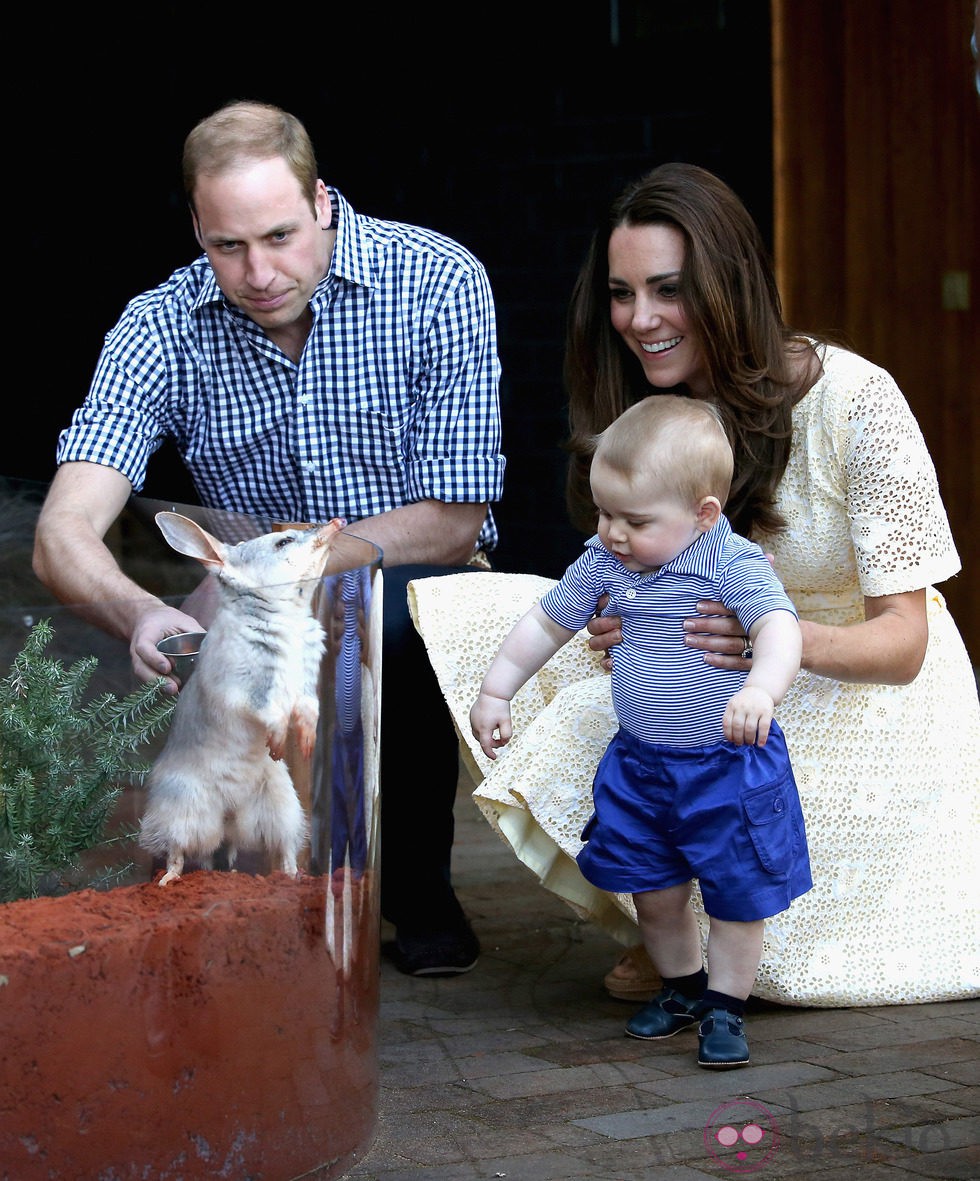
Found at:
(718, 634)
(604, 632)
(714, 631)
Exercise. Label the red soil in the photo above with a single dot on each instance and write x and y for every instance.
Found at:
(223, 1026)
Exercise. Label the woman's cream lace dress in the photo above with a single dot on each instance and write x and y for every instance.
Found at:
(889, 776)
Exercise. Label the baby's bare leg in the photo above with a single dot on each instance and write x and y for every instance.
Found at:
(734, 952)
(669, 929)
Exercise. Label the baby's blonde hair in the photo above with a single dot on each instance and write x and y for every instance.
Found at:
(674, 443)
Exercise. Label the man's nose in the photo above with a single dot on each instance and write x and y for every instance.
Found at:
(259, 270)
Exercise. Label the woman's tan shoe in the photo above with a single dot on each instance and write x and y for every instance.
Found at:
(634, 978)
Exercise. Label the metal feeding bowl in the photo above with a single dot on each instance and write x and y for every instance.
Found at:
(182, 651)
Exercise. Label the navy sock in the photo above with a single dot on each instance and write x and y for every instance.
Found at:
(690, 986)
(721, 1000)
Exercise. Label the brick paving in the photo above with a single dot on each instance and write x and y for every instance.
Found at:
(520, 1069)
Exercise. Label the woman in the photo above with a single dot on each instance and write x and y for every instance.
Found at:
(834, 480)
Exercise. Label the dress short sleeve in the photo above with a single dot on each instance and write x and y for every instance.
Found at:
(860, 493)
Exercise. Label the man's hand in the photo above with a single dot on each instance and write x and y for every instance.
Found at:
(151, 627)
(73, 561)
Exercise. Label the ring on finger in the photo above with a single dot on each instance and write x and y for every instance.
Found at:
(747, 649)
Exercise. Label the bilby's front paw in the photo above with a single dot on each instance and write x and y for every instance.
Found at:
(276, 741)
(304, 720)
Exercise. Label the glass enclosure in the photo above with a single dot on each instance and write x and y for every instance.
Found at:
(225, 1024)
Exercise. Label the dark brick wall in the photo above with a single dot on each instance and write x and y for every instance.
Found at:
(508, 127)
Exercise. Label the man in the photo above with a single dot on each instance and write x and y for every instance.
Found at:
(312, 363)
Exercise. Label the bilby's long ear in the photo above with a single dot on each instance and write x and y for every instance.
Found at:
(187, 537)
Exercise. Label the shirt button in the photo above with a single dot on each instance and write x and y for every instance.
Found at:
(631, 593)
(777, 805)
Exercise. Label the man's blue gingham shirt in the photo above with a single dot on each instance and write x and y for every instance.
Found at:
(395, 399)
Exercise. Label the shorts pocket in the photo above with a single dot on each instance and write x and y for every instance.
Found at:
(771, 826)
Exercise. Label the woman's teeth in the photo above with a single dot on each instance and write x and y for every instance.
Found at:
(661, 345)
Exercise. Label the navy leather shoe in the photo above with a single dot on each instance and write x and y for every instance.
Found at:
(722, 1044)
(668, 1013)
(434, 953)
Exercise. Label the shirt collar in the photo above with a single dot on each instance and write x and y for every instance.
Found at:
(703, 556)
(209, 291)
(352, 253)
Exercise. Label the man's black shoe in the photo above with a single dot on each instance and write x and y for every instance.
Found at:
(434, 953)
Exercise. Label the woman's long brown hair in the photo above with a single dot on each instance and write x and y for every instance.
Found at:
(729, 293)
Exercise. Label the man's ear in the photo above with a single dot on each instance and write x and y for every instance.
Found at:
(709, 510)
(322, 209)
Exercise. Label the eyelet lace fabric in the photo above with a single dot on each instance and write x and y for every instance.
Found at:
(889, 775)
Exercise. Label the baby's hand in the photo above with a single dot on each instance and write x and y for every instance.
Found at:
(490, 716)
(748, 717)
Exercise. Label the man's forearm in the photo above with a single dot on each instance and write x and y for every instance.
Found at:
(87, 579)
(74, 563)
(430, 532)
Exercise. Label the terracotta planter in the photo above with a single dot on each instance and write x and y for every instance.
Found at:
(224, 1025)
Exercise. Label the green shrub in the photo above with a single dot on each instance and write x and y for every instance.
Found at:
(64, 762)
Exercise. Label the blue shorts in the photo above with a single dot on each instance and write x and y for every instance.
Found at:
(727, 815)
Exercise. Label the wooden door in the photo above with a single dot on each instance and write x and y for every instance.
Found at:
(876, 123)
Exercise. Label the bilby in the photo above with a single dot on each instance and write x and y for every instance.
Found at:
(220, 777)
